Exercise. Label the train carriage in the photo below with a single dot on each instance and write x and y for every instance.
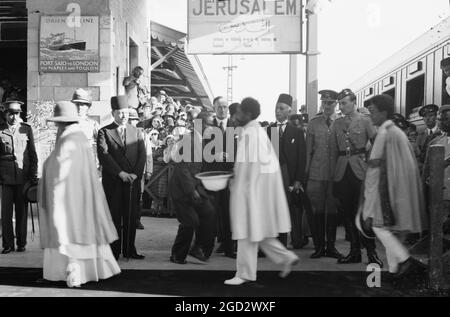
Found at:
(412, 76)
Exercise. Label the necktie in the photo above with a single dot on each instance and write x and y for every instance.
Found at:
(281, 132)
(222, 126)
(328, 122)
(122, 135)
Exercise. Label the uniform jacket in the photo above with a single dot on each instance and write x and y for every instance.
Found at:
(352, 132)
(18, 157)
(422, 138)
(441, 140)
(318, 149)
(292, 151)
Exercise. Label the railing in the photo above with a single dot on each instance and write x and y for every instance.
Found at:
(166, 169)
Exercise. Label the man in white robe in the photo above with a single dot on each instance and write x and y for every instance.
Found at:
(258, 208)
(76, 227)
(393, 196)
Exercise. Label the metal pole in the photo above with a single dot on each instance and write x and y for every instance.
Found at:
(130, 207)
(293, 81)
(436, 269)
(312, 81)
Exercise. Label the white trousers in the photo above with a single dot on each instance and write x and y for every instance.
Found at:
(396, 252)
(247, 256)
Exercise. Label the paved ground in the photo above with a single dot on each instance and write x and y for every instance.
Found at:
(156, 276)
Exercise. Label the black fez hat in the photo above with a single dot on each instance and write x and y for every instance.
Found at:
(344, 93)
(428, 109)
(329, 95)
(119, 102)
(445, 63)
(286, 99)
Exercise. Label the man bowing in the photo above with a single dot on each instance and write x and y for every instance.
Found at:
(121, 152)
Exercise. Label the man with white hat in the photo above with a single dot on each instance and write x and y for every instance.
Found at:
(18, 165)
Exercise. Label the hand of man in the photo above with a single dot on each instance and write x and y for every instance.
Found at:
(196, 196)
(133, 177)
(125, 177)
(298, 187)
(368, 224)
(148, 176)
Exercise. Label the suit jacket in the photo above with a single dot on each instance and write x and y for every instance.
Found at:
(18, 157)
(230, 149)
(291, 152)
(116, 157)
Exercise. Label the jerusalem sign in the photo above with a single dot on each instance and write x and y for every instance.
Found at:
(244, 26)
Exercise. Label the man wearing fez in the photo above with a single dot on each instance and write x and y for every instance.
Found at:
(121, 152)
(349, 138)
(429, 113)
(320, 179)
(292, 158)
(18, 165)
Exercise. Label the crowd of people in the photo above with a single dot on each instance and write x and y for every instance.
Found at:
(364, 164)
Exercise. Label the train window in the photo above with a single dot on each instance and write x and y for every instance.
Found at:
(445, 94)
(415, 94)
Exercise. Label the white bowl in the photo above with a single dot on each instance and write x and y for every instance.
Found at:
(215, 181)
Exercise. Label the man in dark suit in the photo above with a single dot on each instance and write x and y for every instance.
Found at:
(223, 162)
(292, 155)
(192, 204)
(18, 165)
(121, 152)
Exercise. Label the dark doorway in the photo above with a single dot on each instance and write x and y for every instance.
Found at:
(415, 94)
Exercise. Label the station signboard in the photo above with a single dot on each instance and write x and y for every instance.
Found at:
(244, 27)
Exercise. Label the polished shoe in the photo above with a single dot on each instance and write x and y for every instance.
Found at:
(320, 252)
(176, 261)
(139, 226)
(137, 257)
(352, 258)
(287, 269)
(231, 255)
(198, 254)
(374, 259)
(333, 253)
(236, 281)
(21, 249)
(7, 250)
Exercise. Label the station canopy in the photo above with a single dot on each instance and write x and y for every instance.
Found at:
(180, 75)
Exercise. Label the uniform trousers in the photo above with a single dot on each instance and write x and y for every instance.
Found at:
(325, 212)
(12, 198)
(247, 256)
(396, 252)
(348, 192)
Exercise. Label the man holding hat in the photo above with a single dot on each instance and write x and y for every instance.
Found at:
(18, 165)
(122, 154)
(83, 100)
(292, 158)
(319, 187)
(349, 138)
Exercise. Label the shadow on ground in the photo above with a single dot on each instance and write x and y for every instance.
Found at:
(210, 284)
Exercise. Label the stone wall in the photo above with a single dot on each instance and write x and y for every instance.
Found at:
(119, 21)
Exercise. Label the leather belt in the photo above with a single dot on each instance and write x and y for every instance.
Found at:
(352, 152)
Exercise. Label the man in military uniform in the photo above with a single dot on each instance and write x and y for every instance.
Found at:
(431, 131)
(319, 187)
(18, 165)
(349, 138)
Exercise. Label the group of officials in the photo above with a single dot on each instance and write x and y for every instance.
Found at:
(319, 173)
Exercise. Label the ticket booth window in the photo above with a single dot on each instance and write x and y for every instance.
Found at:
(415, 94)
